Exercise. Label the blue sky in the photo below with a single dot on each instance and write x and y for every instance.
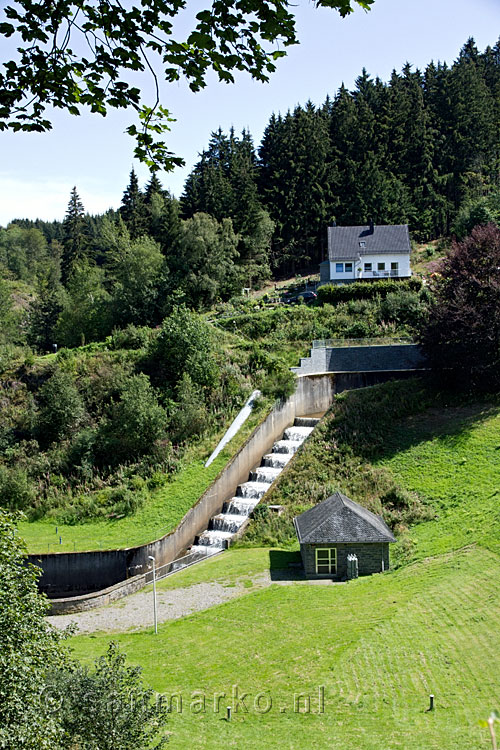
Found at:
(37, 171)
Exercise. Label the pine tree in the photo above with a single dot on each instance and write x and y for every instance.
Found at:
(133, 208)
(75, 235)
(154, 187)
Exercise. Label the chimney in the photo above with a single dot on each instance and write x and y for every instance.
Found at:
(372, 226)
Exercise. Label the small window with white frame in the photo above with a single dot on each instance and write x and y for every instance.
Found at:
(381, 266)
(395, 266)
(326, 561)
(339, 268)
(368, 267)
(348, 267)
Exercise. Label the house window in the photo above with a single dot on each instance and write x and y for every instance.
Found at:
(348, 267)
(395, 266)
(362, 244)
(326, 560)
(339, 268)
(368, 266)
(380, 266)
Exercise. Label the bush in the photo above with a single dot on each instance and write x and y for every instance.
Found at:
(132, 337)
(16, 490)
(61, 408)
(189, 416)
(279, 384)
(184, 345)
(133, 424)
(404, 308)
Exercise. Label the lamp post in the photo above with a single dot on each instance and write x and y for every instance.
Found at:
(154, 593)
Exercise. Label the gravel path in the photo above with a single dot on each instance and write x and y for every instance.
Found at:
(136, 611)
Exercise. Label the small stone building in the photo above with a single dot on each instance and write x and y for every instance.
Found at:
(337, 528)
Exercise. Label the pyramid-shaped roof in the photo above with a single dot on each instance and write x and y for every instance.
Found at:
(338, 520)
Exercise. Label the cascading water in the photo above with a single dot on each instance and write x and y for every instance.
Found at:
(240, 506)
(286, 446)
(235, 512)
(266, 474)
(227, 522)
(276, 460)
(297, 433)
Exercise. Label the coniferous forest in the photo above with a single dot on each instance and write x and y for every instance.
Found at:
(422, 148)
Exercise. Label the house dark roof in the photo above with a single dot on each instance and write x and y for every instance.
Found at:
(338, 519)
(344, 242)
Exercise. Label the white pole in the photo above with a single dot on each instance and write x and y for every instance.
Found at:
(154, 593)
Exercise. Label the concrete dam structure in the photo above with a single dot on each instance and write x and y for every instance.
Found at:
(96, 577)
(89, 576)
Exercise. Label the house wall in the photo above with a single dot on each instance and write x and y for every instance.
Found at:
(358, 271)
(370, 557)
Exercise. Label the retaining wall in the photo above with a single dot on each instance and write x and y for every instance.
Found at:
(377, 358)
(78, 573)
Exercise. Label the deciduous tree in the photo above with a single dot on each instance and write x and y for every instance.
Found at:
(462, 334)
(76, 55)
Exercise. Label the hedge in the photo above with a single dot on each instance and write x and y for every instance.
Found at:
(334, 293)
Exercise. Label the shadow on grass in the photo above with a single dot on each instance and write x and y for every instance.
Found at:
(382, 420)
(451, 425)
(285, 565)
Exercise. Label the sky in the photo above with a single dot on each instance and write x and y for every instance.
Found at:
(38, 170)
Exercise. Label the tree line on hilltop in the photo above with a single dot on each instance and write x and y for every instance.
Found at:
(422, 149)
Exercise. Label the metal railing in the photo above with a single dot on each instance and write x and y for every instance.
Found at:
(382, 341)
(180, 563)
(379, 274)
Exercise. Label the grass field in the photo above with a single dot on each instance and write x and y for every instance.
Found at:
(159, 515)
(378, 646)
(451, 458)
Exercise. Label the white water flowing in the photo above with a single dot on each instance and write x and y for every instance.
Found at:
(286, 446)
(266, 474)
(225, 525)
(276, 460)
(235, 426)
(297, 433)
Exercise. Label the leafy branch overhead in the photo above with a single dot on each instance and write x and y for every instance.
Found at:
(73, 55)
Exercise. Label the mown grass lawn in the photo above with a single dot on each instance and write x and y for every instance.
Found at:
(451, 458)
(231, 566)
(159, 515)
(378, 646)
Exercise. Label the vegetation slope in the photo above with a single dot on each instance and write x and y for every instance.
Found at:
(379, 645)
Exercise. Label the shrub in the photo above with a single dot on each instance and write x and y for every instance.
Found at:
(61, 408)
(364, 290)
(279, 384)
(16, 490)
(184, 345)
(131, 337)
(404, 308)
(189, 416)
(133, 424)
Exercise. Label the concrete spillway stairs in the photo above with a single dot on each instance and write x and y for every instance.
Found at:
(223, 527)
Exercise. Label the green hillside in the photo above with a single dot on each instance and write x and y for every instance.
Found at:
(380, 645)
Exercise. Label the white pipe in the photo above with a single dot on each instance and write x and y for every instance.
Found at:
(235, 426)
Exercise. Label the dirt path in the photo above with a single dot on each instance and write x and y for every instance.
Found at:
(136, 611)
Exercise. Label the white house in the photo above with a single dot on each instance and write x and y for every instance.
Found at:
(366, 252)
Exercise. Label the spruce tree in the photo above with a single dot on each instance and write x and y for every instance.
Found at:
(133, 208)
(75, 235)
